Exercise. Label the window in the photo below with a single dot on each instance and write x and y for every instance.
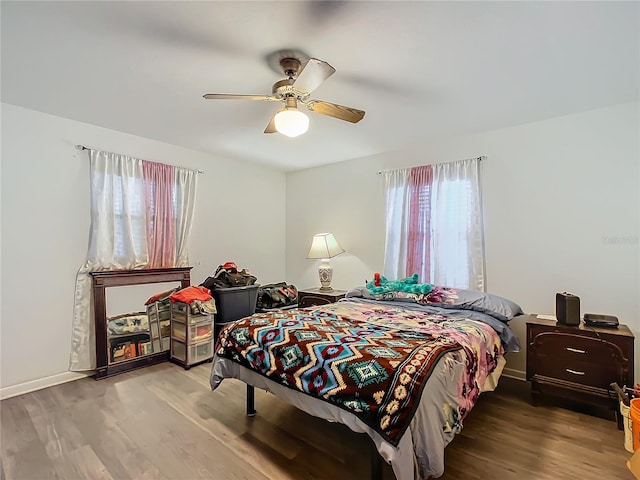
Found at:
(434, 224)
(131, 219)
(454, 225)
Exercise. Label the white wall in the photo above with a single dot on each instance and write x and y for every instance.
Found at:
(562, 209)
(561, 213)
(45, 228)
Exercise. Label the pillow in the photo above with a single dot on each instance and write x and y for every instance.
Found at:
(498, 307)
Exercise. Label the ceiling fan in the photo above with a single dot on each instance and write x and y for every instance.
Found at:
(295, 89)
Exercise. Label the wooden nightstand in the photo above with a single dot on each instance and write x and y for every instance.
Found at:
(579, 362)
(314, 296)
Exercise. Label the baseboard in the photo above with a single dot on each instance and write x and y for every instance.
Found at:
(33, 385)
(515, 374)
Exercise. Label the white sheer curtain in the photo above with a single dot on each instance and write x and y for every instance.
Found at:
(452, 200)
(186, 187)
(457, 227)
(118, 235)
(396, 192)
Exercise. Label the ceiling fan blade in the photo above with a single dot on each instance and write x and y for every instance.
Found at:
(349, 114)
(271, 128)
(225, 96)
(312, 75)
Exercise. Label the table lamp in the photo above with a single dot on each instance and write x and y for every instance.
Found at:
(325, 246)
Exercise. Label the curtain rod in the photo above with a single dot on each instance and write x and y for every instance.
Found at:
(480, 158)
(82, 147)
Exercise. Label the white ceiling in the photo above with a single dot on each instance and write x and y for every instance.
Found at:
(421, 70)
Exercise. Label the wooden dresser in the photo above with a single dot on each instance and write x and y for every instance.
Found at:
(579, 362)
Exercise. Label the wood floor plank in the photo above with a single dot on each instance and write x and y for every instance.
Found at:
(165, 423)
(23, 454)
(80, 464)
(550, 442)
(185, 441)
(123, 458)
(241, 435)
(52, 421)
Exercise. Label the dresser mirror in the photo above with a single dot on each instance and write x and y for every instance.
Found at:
(129, 334)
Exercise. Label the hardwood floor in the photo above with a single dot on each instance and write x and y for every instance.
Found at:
(163, 422)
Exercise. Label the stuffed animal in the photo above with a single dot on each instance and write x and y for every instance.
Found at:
(380, 284)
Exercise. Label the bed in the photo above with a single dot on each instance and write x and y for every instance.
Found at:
(403, 368)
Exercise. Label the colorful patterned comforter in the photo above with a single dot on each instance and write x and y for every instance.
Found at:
(371, 360)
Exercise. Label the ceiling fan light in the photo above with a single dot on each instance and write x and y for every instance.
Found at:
(291, 122)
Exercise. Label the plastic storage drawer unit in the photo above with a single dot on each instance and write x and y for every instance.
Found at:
(189, 355)
(191, 336)
(192, 333)
(182, 313)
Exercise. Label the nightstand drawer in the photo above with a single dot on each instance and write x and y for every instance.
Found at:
(578, 359)
(315, 296)
(311, 300)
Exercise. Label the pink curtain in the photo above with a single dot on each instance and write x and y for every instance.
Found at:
(419, 231)
(161, 235)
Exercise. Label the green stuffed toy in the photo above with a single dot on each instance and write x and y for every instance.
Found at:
(380, 284)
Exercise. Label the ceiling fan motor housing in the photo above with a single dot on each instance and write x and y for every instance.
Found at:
(290, 66)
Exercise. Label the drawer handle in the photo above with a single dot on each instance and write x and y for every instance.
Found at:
(575, 350)
(575, 372)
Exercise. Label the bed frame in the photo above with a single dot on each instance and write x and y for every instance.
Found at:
(376, 459)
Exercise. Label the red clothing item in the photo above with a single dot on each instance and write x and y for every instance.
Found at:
(189, 294)
(160, 296)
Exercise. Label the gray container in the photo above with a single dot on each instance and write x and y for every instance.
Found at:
(234, 303)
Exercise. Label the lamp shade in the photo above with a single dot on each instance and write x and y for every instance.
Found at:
(291, 122)
(324, 245)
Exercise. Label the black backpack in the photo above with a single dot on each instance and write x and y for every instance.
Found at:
(276, 295)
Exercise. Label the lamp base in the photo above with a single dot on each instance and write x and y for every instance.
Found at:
(325, 271)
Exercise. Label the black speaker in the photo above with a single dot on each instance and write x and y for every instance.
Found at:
(567, 309)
